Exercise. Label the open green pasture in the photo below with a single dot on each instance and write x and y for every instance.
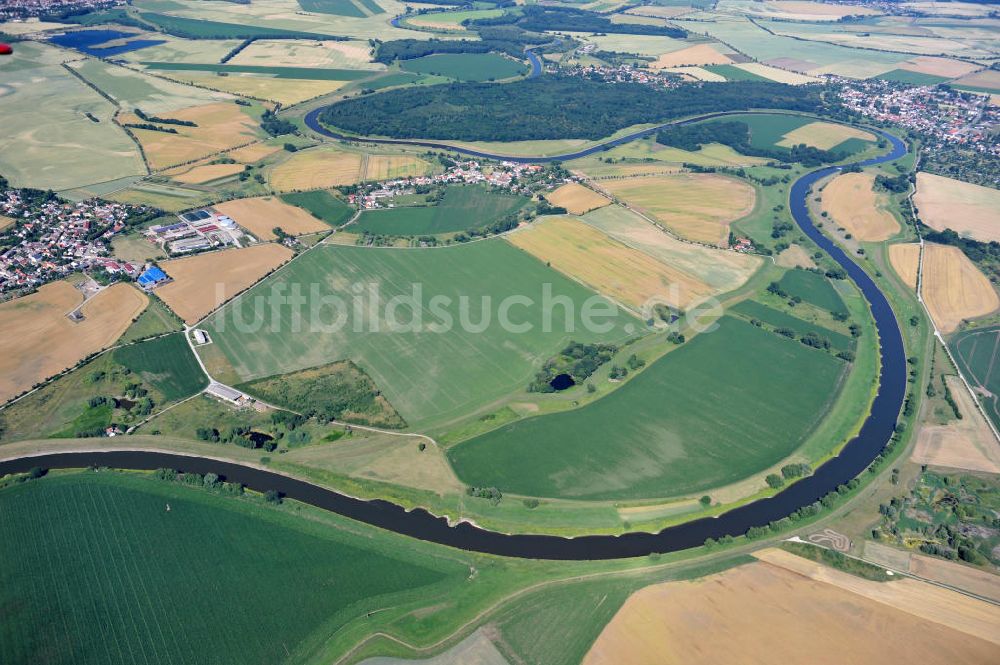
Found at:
(812, 288)
(466, 66)
(732, 73)
(912, 78)
(201, 29)
(729, 403)
(109, 568)
(448, 364)
(463, 207)
(336, 7)
(323, 205)
(976, 353)
(304, 73)
(167, 364)
(778, 319)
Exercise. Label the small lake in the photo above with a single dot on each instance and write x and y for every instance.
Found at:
(562, 382)
(86, 41)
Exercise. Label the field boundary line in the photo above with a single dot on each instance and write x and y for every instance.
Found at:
(927, 312)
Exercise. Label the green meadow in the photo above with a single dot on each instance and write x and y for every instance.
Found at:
(911, 78)
(463, 207)
(975, 353)
(732, 73)
(323, 205)
(812, 288)
(336, 7)
(466, 66)
(167, 364)
(108, 568)
(727, 404)
(752, 309)
(437, 372)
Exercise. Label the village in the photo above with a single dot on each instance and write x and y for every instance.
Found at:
(46, 238)
(512, 176)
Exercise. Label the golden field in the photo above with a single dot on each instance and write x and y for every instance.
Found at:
(387, 167)
(576, 198)
(261, 214)
(37, 340)
(954, 288)
(696, 206)
(823, 135)
(905, 260)
(318, 168)
(201, 283)
(851, 202)
(969, 210)
(206, 173)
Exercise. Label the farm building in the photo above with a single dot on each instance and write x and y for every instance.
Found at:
(152, 276)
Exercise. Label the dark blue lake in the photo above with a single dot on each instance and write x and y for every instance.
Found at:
(87, 41)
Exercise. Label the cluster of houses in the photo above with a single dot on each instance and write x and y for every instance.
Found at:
(938, 112)
(195, 231)
(21, 9)
(46, 238)
(506, 175)
(626, 74)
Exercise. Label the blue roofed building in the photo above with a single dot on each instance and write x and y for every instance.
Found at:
(152, 276)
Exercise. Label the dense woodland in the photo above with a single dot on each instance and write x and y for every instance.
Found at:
(539, 19)
(549, 107)
(736, 135)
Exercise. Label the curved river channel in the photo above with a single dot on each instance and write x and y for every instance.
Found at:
(856, 455)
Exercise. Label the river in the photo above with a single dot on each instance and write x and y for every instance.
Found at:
(856, 455)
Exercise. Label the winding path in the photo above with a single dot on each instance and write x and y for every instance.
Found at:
(856, 455)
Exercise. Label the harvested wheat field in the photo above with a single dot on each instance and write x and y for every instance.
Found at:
(954, 288)
(281, 90)
(776, 74)
(260, 215)
(611, 268)
(823, 135)
(961, 444)
(701, 54)
(202, 283)
(851, 202)
(969, 210)
(220, 126)
(975, 618)
(762, 613)
(207, 173)
(387, 167)
(905, 260)
(319, 168)
(577, 199)
(928, 64)
(696, 206)
(979, 582)
(37, 340)
(6, 221)
(253, 153)
(984, 79)
(795, 257)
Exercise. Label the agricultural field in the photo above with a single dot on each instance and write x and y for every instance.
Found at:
(203, 282)
(190, 534)
(774, 318)
(253, 153)
(775, 74)
(824, 135)
(388, 167)
(74, 150)
(204, 173)
(451, 20)
(318, 168)
(322, 205)
(696, 206)
(463, 207)
(700, 54)
(953, 287)
(850, 201)
(719, 270)
(284, 91)
(969, 210)
(767, 611)
(220, 125)
(300, 53)
(261, 215)
(975, 352)
(733, 73)
(446, 371)
(613, 269)
(36, 327)
(132, 89)
(466, 66)
(166, 363)
(705, 415)
(577, 199)
(986, 80)
(905, 260)
(812, 288)
(967, 443)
